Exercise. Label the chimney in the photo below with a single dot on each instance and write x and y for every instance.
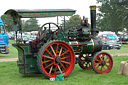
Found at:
(93, 21)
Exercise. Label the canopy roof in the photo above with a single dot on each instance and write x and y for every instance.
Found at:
(39, 13)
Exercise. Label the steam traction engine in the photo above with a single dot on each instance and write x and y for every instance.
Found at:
(53, 52)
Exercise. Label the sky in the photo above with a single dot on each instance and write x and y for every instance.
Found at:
(81, 6)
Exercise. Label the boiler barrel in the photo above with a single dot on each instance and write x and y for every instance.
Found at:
(94, 45)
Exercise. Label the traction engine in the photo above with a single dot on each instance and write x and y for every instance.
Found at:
(56, 51)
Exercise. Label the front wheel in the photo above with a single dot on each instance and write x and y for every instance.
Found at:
(55, 57)
(102, 62)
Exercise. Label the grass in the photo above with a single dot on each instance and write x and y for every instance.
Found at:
(9, 75)
(13, 53)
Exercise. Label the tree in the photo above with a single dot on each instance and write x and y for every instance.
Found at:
(8, 22)
(73, 22)
(30, 25)
(113, 16)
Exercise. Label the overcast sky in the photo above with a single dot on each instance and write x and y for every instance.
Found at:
(82, 6)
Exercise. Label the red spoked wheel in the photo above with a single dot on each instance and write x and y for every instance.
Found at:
(102, 62)
(56, 57)
(83, 63)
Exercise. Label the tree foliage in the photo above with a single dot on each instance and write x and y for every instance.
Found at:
(113, 15)
(8, 22)
(30, 25)
(73, 22)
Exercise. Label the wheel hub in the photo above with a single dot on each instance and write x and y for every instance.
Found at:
(103, 63)
(57, 59)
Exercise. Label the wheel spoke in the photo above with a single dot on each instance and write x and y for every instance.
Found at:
(49, 65)
(65, 62)
(96, 63)
(51, 69)
(106, 59)
(48, 57)
(57, 47)
(62, 66)
(64, 53)
(59, 69)
(53, 50)
(103, 68)
(100, 58)
(97, 67)
(61, 50)
(46, 61)
(55, 70)
(49, 52)
(107, 66)
(65, 57)
(89, 64)
(97, 60)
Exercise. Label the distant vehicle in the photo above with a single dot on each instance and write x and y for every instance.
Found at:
(11, 35)
(4, 48)
(110, 44)
(26, 37)
(112, 37)
(31, 39)
(124, 39)
(109, 36)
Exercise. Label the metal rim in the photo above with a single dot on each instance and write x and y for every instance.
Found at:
(102, 63)
(57, 58)
(83, 63)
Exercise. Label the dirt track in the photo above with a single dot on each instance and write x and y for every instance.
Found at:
(120, 54)
(8, 59)
(15, 59)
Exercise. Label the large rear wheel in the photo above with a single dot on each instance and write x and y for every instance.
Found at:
(55, 57)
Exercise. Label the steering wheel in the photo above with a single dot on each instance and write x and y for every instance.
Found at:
(48, 28)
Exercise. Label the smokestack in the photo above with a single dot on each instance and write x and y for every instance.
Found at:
(93, 21)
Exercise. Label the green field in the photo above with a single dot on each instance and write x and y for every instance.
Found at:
(9, 75)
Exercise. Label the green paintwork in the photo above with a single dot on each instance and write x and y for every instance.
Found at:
(26, 49)
(26, 58)
(60, 35)
(20, 57)
(46, 14)
(36, 13)
(66, 37)
(87, 47)
(86, 33)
